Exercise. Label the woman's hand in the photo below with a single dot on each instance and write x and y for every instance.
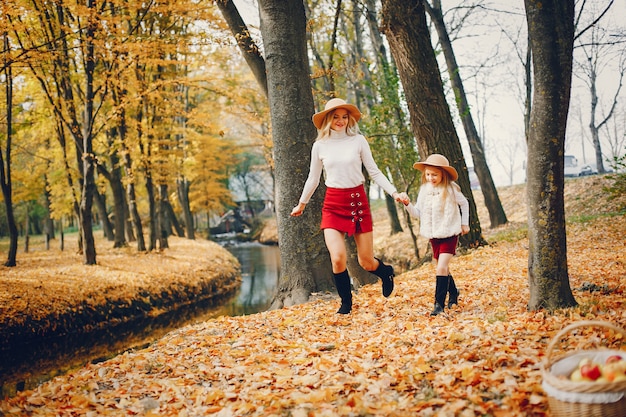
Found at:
(297, 210)
(464, 229)
(401, 198)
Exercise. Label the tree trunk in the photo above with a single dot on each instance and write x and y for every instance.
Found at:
(164, 225)
(88, 157)
(27, 229)
(551, 33)
(487, 186)
(48, 221)
(305, 264)
(406, 28)
(134, 214)
(172, 219)
(61, 236)
(107, 229)
(595, 129)
(154, 218)
(119, 205)
(128, 223)
(128, 171)
(5, 163)
(183, 197)
(246, 44)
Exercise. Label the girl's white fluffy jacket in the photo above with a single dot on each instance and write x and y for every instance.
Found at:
(441, 214)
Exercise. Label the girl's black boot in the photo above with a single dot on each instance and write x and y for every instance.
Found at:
(342, 282)
(453, 292)
(385, 273)
(441, 290)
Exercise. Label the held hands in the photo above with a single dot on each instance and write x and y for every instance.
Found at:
(297, 210)
(401, 198)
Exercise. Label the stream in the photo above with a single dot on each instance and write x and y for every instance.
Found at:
(25, 367)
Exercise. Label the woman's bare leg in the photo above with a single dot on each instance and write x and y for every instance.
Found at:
(337, 248)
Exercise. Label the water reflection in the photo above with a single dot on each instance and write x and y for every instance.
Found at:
(260, 269)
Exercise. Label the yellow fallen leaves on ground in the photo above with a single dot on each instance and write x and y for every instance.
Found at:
(387, 358)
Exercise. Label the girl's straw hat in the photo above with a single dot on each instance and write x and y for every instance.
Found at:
(439, 161)
(334, 104)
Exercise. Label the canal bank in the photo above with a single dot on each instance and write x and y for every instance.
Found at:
(58, 314)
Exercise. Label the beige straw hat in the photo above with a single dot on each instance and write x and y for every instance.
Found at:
(439, 161)
(334, 104)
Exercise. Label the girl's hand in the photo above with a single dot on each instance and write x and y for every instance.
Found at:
(297, 210)
(401, 198)
(464, 229)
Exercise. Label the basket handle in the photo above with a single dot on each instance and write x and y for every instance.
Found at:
(584, 323)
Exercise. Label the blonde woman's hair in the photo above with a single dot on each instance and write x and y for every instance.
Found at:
(324, 132)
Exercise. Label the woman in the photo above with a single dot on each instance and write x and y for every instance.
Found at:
(341, 151)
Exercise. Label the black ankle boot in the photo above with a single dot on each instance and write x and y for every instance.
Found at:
(441, 290)
(342, 282)
(453, 292)
(385, 273)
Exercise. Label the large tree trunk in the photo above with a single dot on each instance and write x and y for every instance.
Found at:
(406, 28)
(305, 264)
(551, 33)
(487, 186)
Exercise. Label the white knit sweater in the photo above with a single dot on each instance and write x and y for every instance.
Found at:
(341, 157)
(440, 218)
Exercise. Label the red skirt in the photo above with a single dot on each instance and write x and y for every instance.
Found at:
(445, 245)
(347, 210)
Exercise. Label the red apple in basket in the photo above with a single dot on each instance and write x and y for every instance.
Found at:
(590, 371)
(613, 358)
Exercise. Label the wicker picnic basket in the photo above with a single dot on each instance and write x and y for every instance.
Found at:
(573, 398)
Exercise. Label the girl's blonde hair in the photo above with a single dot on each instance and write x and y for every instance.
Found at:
(324, 132)
(446, 180)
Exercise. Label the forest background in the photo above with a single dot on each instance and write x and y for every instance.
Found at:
(172, 118)
(160, 137)
(145, 139)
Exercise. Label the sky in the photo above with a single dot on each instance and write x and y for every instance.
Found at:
(495, 91)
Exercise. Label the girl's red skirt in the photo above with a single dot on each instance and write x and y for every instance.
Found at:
(445, 245)
(347, 210)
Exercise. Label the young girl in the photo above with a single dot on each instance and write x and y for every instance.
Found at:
(341, 151)
(437, 207)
